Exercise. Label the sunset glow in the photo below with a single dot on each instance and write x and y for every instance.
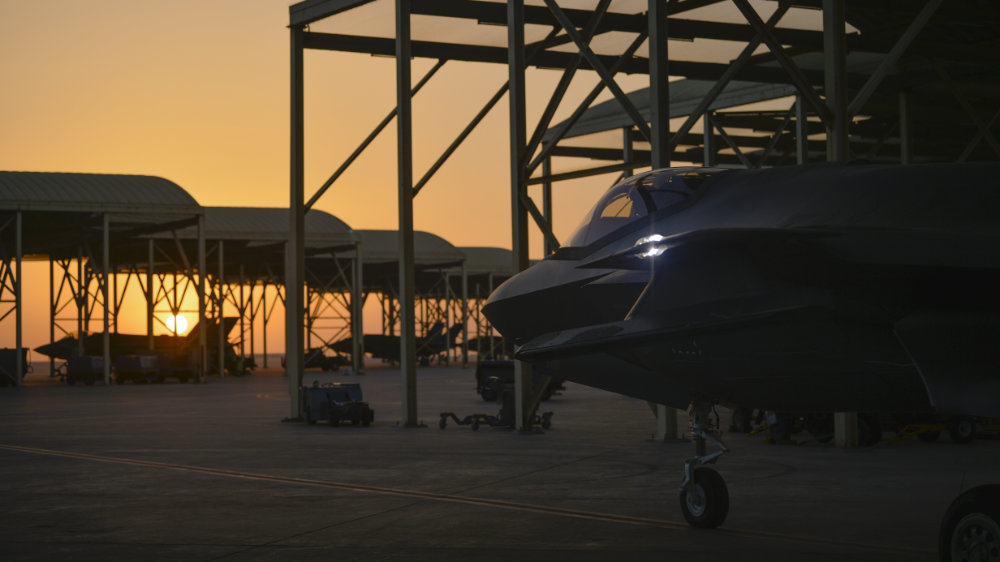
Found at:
(180, 321)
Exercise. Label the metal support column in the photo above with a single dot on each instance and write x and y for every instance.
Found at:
(114, 300)
(835, 65)
(253, 320)
(708, 140)
(81, 301)
(518, 184)
(666, 423)
(404, 161)
(220, 250)
(357, 314)
(834, 50)
(150, 296)
(18, 305)
(242, 308)
(52, 312)
(659, 95)
(465, 316)
(295, 249)
(202, 298)
(845, 429)
(263, 332)
(659, 127)
(801, 131)
(105, 275)
(628, 155)
(905, 132)
(547, 202)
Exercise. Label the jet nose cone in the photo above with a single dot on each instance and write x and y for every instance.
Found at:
(56, 350)
(540, 299)
(499, 308)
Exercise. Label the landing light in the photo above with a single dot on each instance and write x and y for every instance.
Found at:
(652, 246)
(653, 252)
(650, 238)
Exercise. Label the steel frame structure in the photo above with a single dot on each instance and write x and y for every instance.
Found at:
(91, 287)
(827, 103)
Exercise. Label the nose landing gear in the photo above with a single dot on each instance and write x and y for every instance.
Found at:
(704, 497)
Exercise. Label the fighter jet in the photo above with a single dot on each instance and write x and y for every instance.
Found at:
(386, 347)
(134, 344)
(818, 288)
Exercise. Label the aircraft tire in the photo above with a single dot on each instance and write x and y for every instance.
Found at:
(962, 430)
(970, 529)
(708, 506)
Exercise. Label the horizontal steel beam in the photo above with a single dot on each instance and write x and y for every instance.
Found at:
(594, 153)
(546, 59)
(449, 51)
(588, 172)
(309, 11)
(495, 13)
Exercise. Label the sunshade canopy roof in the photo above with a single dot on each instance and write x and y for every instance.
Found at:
(256, 225)
(88, 193)
(488, 261)
(382, 246)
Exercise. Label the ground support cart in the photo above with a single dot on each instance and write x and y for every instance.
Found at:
(86, 369)
(335, 402)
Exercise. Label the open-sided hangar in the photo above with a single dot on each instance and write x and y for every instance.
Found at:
(853, 94)
(108, 236)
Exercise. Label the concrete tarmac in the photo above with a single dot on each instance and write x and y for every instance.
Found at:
(210, 472)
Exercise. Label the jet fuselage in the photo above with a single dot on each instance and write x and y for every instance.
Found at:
(815, 288)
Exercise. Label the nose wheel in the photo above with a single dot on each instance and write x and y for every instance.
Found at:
(704, 497)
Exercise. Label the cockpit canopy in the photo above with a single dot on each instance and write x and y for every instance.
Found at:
(637, 197)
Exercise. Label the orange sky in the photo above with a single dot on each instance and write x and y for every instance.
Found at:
(197, 92)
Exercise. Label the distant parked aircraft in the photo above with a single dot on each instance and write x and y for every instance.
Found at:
(436, 342)
(176, 350)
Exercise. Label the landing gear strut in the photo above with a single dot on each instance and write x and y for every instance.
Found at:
(704, 497)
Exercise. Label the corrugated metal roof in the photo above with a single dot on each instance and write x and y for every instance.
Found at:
(112, 193)
(486, 261)
(265, 226)
(380, 246)
(272, 224)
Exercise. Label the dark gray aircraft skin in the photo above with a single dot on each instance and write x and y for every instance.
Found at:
(820, 288)
(803, 289)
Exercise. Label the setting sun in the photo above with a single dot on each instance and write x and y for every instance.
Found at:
(180, 321)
